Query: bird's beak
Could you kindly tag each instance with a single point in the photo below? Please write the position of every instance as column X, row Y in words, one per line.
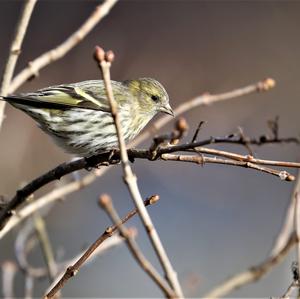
column 167, row 109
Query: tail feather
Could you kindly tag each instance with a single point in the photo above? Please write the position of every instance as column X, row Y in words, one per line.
column 20, row 100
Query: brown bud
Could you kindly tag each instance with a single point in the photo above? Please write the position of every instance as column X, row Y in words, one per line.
column 104, row 200
column 132, row 231
column 267, row 84
column 109, row 56
column 153, row 199
column 99, row 54
column 182, row 125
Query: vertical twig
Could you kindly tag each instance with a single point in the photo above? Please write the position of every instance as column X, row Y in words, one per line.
column 104, row 60
column 9, row 270
column 288, row 223
column 45, row 245
column 297, row 227
column 15, row 51
column 29, row 285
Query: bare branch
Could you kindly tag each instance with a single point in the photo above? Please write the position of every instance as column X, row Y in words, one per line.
column 294, row 285
column 283, row 175
column 45, row 245
column 288, row 223
column 106, row 203
column 130, row 179
column 252, row 274
column 112, row 242
column 61, row 50
column 105, row 159
column 247, row 158
column 297, row 228
column 15, row 51
column 25, row 242
column 73, row 270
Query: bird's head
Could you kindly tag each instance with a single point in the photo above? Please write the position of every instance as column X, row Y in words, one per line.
column 151, row 95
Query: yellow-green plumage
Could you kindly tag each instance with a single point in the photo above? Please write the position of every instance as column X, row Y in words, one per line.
column 78, row 117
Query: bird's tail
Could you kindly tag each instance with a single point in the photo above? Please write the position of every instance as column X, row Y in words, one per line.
column 20, row 101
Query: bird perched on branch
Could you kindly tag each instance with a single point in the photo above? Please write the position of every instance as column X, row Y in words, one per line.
column 77, row 116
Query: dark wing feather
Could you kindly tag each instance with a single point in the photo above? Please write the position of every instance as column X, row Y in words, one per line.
column 86, row 95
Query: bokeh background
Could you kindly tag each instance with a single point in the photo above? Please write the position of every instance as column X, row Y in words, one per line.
column 214, row 220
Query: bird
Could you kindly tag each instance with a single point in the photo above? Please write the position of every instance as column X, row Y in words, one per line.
column 78, row 117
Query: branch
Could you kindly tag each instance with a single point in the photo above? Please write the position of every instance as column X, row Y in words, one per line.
column 28, row 287
column 73, row 270
column 297, row 229
column 61, row 50
column 283, row 175
column 58, row 193
column 294, row 285
column 25, row 243
column 288, row 223
column 45, row 245
column 15, row 50
column 106, row 203
column 56, row 173
column 252, row 274
column 104, row 60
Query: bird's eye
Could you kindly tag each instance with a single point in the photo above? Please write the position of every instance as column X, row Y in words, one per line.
column 154, row 98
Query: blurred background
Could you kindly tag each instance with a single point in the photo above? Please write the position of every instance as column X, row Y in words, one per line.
column 214, row 220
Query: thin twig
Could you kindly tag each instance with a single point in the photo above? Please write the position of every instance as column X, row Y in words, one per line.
column 246, row 158
column 106, row 203
column 201, row 123
column 25, row 242
column 294, row 285
column 110, row 243
column 9, row 270
column 252, row 274
column 28, row 287
column 201, row 160
column 61, row 50
column 45, row 245
column 15, row 51
column 297, row 227
column 73, row 270
column 288, row 223
column 104, row 60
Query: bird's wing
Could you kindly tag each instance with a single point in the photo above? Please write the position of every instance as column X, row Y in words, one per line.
column 87, row 95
